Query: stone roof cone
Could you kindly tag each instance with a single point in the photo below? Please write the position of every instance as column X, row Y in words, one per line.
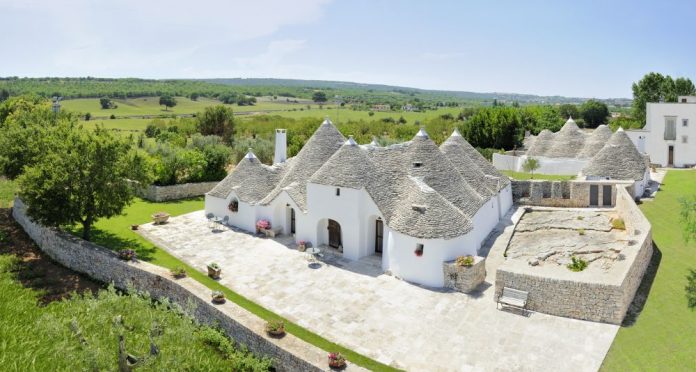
column 619, row 159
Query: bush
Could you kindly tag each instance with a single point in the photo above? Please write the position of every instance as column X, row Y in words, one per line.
column 112, row 116
column 581, row 231
column 577, row 264
column 178, row 272
column 466, row 261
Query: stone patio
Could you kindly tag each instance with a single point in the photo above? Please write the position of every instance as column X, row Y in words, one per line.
column 398, row 323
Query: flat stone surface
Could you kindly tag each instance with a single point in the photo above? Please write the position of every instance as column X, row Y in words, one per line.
column 549, row 237
column 354, row 304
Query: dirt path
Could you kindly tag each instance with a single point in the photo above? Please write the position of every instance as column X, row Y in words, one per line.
column 37, row 270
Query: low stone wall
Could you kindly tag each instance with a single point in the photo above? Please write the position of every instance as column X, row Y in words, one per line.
column 566, row 194
column 462, row 278
column 174, row 192
column 289, row 353
column 587, row 299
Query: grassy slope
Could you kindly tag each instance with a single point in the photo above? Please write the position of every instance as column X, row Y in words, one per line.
column 116, row 233
column 32, row 336
column 7, row 190
column 526, row 176
column 664, row 336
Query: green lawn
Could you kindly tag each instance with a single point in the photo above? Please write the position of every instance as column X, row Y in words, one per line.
column 664, row 335
column 527, row 176
column 116, row 234
column 7, row 190
column 137, row 106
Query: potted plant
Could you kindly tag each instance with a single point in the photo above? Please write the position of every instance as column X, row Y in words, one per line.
column 419, row 250
column 178, row 272
column 134, row 227
column 126, row 254
column 214, row 270
column 218, row 297
column 160, row 217
column 337, row 361
column 275, row 328
column 301, row 245
column 466, row 261
column 262, row 225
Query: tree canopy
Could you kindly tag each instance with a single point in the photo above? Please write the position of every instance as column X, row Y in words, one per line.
column 655, row 87
column 217, row 120
column 319, row 97
column 167, row 101
column 594, row 113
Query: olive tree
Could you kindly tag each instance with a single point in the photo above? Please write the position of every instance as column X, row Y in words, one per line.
column 530, row 165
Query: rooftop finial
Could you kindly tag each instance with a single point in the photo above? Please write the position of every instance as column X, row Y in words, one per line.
column 422, row 133
column 456, row 133
column 350, row 141
column 326, row 120
column 250, row 154
column 620, row 129
column 374, row 141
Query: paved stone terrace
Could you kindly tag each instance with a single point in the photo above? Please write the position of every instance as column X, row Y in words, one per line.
column 392, row 321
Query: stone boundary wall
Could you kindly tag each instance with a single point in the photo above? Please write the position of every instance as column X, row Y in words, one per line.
column 289, row 353
column 566, row 194
column 174, row 192
column 594, row 301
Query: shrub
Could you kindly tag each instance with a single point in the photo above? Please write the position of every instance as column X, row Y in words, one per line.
column 465, row 261
column 178, row 272
column 275, row 327
column 618, row 223
column 577, row 264
column 3, row 237
column 112, row 116
column 581, row 231
column 581, row 218
column 214, row 266
column 127, row 254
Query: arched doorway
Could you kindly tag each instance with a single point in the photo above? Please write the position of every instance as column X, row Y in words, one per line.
column 334, row 234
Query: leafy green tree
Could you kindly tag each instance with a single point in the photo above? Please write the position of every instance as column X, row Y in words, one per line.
column 167, row 101
column 682, row 86
column 594, row 113
column 4, row 94
column 688, row 217
column 568, row 110
column 105, row 103
column 530, row 166
column 82, row 178
column 218, row 121
column 194, row 96
column 319, row 97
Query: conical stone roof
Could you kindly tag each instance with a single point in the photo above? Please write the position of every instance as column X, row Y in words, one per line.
column 541, row 144
column 325, row 141
column 454, row 150
column 348, row 167
column 498, row 180
column 619, row 160
column 250, row 180
column 568, row 142
column 595, row 142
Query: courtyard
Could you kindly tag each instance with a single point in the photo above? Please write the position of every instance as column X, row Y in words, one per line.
column 397, row 323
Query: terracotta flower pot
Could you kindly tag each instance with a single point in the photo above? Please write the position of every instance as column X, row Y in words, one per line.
column 214, row 273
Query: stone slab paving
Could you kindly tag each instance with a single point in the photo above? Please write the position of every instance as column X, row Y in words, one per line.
column 401, row 324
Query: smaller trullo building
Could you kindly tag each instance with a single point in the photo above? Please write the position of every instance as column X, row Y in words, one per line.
column 414, row 203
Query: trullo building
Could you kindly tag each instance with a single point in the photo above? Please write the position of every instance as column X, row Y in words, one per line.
column 414, row 204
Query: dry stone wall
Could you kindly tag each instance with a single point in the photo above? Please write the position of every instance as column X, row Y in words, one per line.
column 596, row 301
column 289, row 353
column 174, row 192
column 567, row 194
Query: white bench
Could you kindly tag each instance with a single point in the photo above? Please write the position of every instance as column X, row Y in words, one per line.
column 513, row 298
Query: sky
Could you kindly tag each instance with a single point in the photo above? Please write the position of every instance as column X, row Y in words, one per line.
column 579, row 49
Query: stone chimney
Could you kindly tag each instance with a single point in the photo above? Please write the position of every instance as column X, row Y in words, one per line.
column 281, row 146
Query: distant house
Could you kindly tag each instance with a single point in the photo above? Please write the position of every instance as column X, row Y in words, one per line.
column 669, row 133
column 381, row 107
column 413, row 204
column 409, row 107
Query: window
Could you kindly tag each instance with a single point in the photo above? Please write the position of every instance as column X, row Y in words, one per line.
column 338, row 192
column 670, row 128
column 683, row 100
column 234, row 206
column 417, row 164
column 685, row 139
column 685, row 122
column 419, row 249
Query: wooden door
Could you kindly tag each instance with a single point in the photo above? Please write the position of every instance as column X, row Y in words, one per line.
column 292, row 220
column 379, row 236
column 334, row 234
column 606, row 195
column 670, row 157
column 594, row 195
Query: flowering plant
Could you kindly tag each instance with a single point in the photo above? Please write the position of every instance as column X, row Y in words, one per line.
column 336, row 360
column 302, row 242
column 465, row 261
column 218, row 297
column 126, row 254
column 263, row 224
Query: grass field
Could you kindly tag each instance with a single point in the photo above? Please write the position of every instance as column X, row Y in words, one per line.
column 664, row 335
column 116, row 233
column 7, row 190
column 527, row 176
